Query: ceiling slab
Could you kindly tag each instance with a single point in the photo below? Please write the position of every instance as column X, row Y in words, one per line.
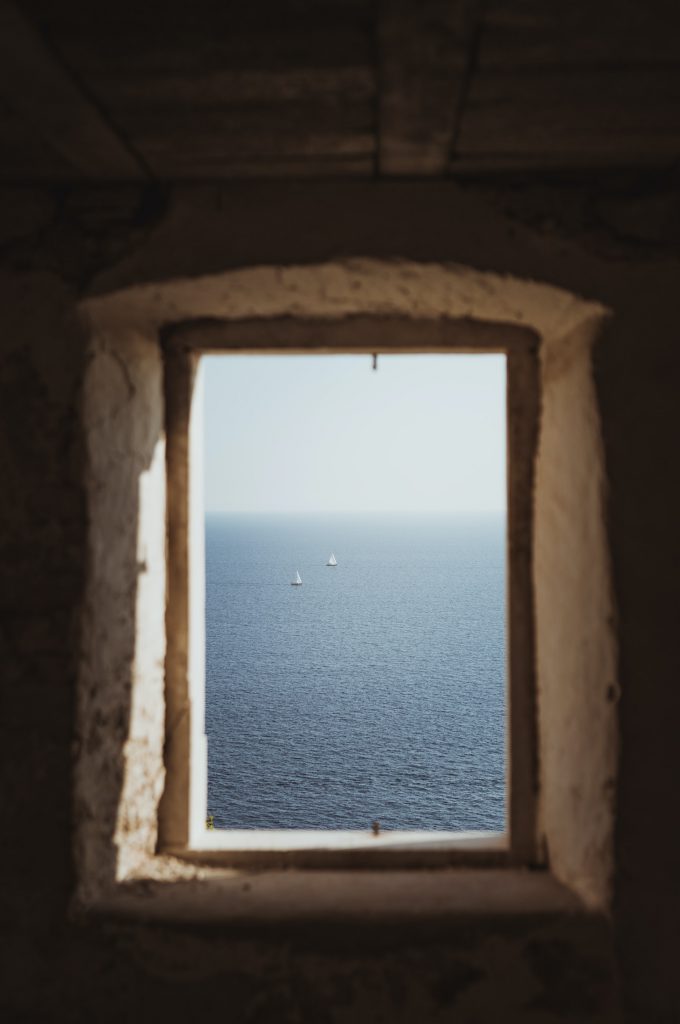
column 39, row 92
column 220, row 89
column 574, row 119
column 425, row 54
column 216, row 91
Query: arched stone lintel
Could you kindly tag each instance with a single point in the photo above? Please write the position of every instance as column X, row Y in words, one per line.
column 345, row 288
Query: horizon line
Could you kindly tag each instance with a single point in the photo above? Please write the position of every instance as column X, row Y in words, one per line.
column 353, row 512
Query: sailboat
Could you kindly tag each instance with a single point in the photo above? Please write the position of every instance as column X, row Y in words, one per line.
column 332, row 560
column 297, row 582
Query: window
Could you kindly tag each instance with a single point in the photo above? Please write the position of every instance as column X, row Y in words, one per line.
column 183, row 827
column 140, row 709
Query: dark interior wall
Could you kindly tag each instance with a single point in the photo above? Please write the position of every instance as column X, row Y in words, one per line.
column 637, row 374
column 57, row 245
column 42, row 547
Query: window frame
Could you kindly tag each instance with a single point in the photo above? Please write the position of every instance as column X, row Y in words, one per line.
column 182, row 811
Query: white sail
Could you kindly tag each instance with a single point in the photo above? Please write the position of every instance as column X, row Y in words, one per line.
column 297, row 582
column 332, row 560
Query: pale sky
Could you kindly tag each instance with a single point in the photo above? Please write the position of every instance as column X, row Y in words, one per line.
column 423, row 433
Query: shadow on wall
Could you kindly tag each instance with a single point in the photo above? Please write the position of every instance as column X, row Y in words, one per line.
column 42, row 553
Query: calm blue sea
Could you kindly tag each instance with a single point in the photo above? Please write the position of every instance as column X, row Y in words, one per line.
column 376, row 690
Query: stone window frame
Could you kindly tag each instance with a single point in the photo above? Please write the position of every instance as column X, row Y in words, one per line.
column 182, row 816
column 120, row 775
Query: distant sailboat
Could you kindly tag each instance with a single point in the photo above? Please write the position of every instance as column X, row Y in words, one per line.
column 332, row 560
column 297, row 582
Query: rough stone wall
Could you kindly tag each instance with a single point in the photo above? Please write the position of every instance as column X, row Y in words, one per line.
column 53, row 245
column 42, row 553
column 641, row 414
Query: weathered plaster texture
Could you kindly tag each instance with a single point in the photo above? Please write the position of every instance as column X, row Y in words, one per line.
column 397, row 287
column 576, row 646
column 119, row 774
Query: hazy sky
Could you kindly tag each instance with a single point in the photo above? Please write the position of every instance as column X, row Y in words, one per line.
column 325, row 433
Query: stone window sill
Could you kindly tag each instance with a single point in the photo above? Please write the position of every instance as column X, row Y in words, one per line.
column 247, row 899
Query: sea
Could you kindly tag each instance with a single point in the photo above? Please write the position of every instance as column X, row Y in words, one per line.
column 373, row 692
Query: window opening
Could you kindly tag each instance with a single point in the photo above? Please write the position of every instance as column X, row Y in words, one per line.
column 371, row 694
